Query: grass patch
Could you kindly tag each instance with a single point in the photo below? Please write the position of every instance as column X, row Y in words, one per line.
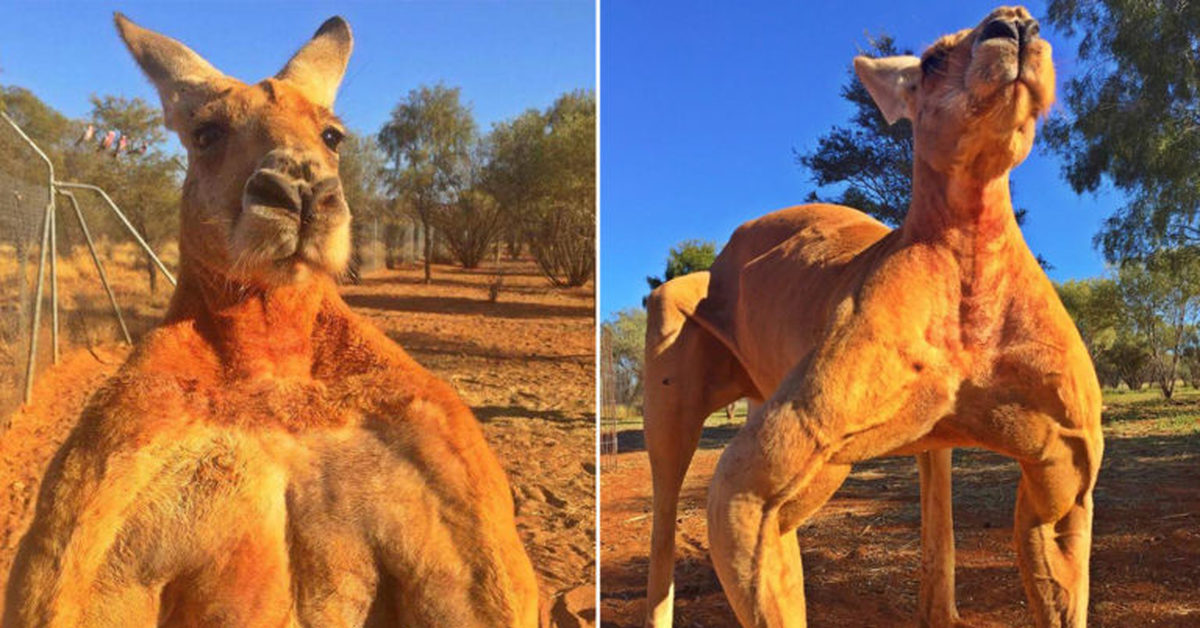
column 1145, row 412
column 1127, row 413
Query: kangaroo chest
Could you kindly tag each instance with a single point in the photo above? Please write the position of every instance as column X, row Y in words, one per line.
column 920, row 306
column 293, row 530
column 289, row 506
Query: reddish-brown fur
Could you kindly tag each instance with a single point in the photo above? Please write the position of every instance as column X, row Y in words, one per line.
column 266, row 457
column 868, row 342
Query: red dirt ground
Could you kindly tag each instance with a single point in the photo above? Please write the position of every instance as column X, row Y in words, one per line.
column 524, row 364
column 861, row 551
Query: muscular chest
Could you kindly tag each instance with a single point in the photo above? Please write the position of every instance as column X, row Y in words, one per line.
column 305, row 543
column 920, row 306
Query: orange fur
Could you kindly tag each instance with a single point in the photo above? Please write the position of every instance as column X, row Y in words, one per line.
column 266, row 457
column 866, row 342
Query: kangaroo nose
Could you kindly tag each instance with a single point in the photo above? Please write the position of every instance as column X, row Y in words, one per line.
column 323, row 196
column 274, row 189
column 1029, row 29
column 1020, row 31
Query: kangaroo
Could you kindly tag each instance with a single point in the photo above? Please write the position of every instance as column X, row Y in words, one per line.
column 266, row 457
column 864, row 342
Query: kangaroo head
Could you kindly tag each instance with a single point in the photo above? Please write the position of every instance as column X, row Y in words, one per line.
column 262, row 202
column 973, row 97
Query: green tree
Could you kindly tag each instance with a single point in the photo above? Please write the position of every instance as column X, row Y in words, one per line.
column 870, row 157
column 1134, row 118
column 428, row 143
column 24, row 189
column 542, row 171
column 688, row 256
column 626, row 331
column 470, row 225
column 561, row 231
column 1127, row 360
column 1095, row 306
column 43, row 124
column 143, row 183
column 514, row 171
column 1161, row 297
column 473, row 221
column 1119, row 352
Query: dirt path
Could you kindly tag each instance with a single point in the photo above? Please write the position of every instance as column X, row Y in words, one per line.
column 861, row 551
column 524, row 364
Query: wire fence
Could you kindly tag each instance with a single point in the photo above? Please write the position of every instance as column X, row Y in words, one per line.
column 388, row 244
column 609, row 410
column 100, row 284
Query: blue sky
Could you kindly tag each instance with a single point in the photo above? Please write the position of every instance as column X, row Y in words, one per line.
column 506, row 56
column 701, row 108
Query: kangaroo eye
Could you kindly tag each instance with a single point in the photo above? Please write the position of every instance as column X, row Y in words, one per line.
column 207, row 134
column 933, row 62
column 332, row 137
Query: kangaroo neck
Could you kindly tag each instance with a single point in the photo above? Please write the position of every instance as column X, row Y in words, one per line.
column 255, row 331
column 971, row 218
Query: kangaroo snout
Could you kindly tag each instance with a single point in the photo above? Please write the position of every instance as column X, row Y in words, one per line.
column 285, row 182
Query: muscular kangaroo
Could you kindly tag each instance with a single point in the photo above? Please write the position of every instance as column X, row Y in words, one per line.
column 266, row 457
column 867, row 342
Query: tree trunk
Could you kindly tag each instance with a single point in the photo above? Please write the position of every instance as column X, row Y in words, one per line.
column 1167, row 381
column 392, row 236
column 153, row 273
column 428, row 249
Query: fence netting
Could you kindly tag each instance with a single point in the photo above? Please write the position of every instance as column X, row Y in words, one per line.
column 86, row 320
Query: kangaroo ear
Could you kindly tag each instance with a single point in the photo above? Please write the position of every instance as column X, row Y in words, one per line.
column 892, row 82
column 183, row 78
column 317, row 69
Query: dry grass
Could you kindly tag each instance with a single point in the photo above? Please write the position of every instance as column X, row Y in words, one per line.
column 86, row 318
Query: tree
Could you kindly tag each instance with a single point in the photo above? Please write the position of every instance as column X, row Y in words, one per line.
column 1161, row 296
column 1134, row 118
column 24, row 187
column 872, row 158
column 42, row 123
column 428, row 141
column 469, row 225
column 542, row 171
column 514, row 171
column 144, row 184
column 1127, row 360
column 688, row 256
column 1095, row 306
column 472, row 222
column 626, row 331
column 561, row 231
column 1119, row 352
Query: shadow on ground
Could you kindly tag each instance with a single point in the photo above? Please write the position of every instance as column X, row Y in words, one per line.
column 465, row 306
column 421, row 343
column 486, row 413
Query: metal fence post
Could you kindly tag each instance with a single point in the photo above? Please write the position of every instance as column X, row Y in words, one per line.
column 87, row 235
column 37, row 302
column 54, row 283
column 128, row 225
